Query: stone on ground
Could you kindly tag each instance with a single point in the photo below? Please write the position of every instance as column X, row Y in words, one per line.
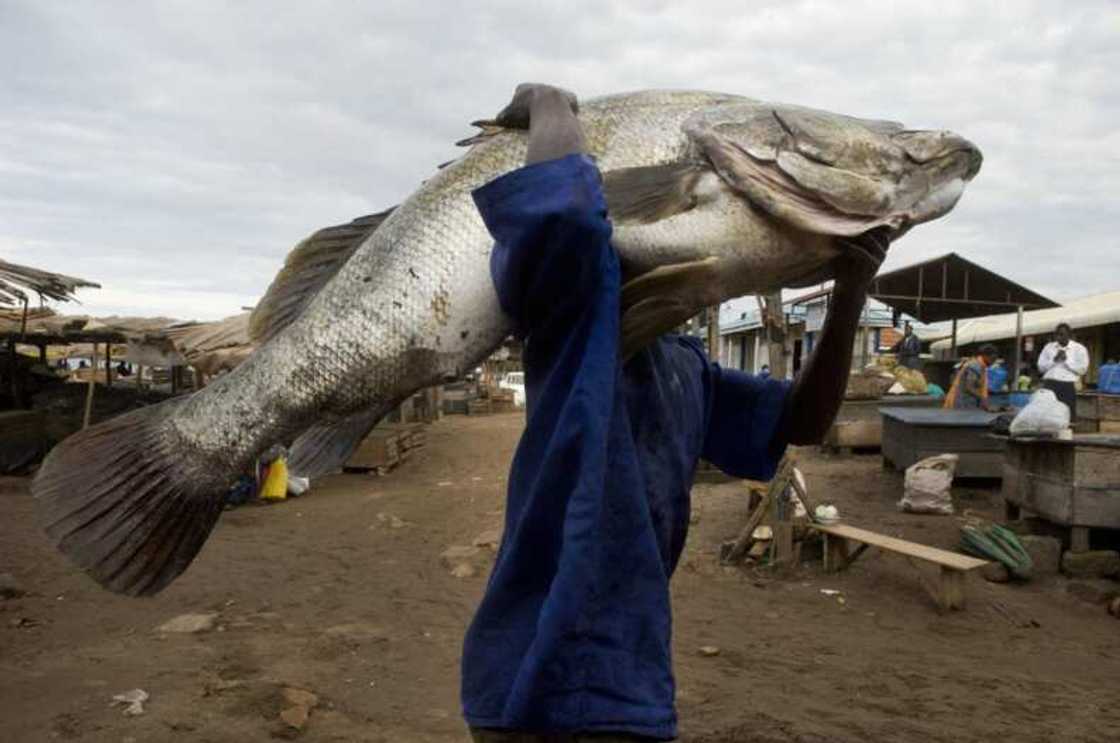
column 489, row 539
column 1094, row 590
column 1045, row 552
column 457, row 553
column 464, row 570
column 9, row 588
column 1092, row 564
column 995, row 572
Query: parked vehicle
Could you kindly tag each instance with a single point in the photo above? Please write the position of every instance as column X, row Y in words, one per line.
column 514, row 381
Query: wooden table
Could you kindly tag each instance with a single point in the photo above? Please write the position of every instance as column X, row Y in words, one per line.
column 859, row 425
column 1073, row 483
column 1098, row 413
column 912, row 434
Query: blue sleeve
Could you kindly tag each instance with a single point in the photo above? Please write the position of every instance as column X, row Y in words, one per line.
column 745, row 414
column 549, row 224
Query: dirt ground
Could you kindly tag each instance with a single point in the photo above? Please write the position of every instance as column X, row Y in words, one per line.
column 343, row 592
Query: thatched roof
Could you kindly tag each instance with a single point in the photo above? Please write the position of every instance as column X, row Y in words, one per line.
column 156, row 341
column 15, row 279
column 213, row 346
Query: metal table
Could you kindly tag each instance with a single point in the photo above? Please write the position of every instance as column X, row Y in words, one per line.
column 1074, row 483
column 912, row 434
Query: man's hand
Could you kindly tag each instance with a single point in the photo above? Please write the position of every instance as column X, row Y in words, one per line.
column 549, row 113
column 530, row 97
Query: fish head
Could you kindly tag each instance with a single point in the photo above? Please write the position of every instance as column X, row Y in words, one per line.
column 942, row 164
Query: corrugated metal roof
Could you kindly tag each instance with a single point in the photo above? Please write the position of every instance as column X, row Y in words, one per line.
column 951, row 287
column 1101, row 309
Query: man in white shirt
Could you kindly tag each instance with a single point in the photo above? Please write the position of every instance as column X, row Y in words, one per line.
column 1062, row 362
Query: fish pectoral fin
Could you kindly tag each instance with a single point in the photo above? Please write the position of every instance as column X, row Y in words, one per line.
column 660, row 300
column 307, row 269
column 692, row 279
column 326, row 446
column 777, row 192
column 643, row 322
column 652, row 193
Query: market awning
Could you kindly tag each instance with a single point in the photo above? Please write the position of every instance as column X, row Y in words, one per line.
column 14, row 279
column 952, row 288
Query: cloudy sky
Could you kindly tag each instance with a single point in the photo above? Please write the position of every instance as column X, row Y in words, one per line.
column 174, row 151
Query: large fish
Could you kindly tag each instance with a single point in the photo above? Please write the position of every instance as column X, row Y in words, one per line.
column 711, row 196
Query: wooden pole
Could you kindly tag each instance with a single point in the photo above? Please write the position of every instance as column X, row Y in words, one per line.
column 713, row 333
column 1018, row 349
column 774, row 321
column 89, row 403
column 953, row 342
column 109, row 364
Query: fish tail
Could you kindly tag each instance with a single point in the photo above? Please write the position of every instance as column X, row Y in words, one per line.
column 325, row 448
column 118, row 499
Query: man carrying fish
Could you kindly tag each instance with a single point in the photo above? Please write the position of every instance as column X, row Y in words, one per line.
column 572, row 638
column 704, row 196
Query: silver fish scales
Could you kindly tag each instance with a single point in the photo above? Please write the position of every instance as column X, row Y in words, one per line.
column 711, row 196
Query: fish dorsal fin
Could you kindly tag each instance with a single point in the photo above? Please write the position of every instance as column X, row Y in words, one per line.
column 652, row 193
column 308, row 267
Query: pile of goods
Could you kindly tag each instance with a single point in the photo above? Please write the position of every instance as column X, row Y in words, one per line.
column 990, row 541
column 885, row 377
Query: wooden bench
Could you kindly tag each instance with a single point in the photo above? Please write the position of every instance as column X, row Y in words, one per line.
column 948, row 591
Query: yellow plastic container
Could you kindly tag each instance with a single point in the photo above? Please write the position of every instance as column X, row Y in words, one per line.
column 275, row 485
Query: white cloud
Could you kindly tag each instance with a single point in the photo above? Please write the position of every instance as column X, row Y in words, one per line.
column 175, row 151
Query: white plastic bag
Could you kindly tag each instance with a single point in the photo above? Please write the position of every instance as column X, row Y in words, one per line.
column 298, row 485
column 1044, row 414
column 928, row 485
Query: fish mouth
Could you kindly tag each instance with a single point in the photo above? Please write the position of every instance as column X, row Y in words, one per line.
column 948, row 162
column 941, row 151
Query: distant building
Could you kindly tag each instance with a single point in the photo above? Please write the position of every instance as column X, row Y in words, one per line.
column 743, row 341
column 1095, row 322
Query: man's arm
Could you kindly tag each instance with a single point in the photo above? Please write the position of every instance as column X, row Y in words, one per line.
column 1046, row 358
column 1078, row 360
column 819, row 389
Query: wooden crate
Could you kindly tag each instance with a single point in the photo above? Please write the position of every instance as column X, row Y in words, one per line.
column 409, row 435
column 381, row 448
column 1098, row 413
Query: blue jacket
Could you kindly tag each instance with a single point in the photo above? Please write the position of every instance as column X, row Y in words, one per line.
column 573, row 632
